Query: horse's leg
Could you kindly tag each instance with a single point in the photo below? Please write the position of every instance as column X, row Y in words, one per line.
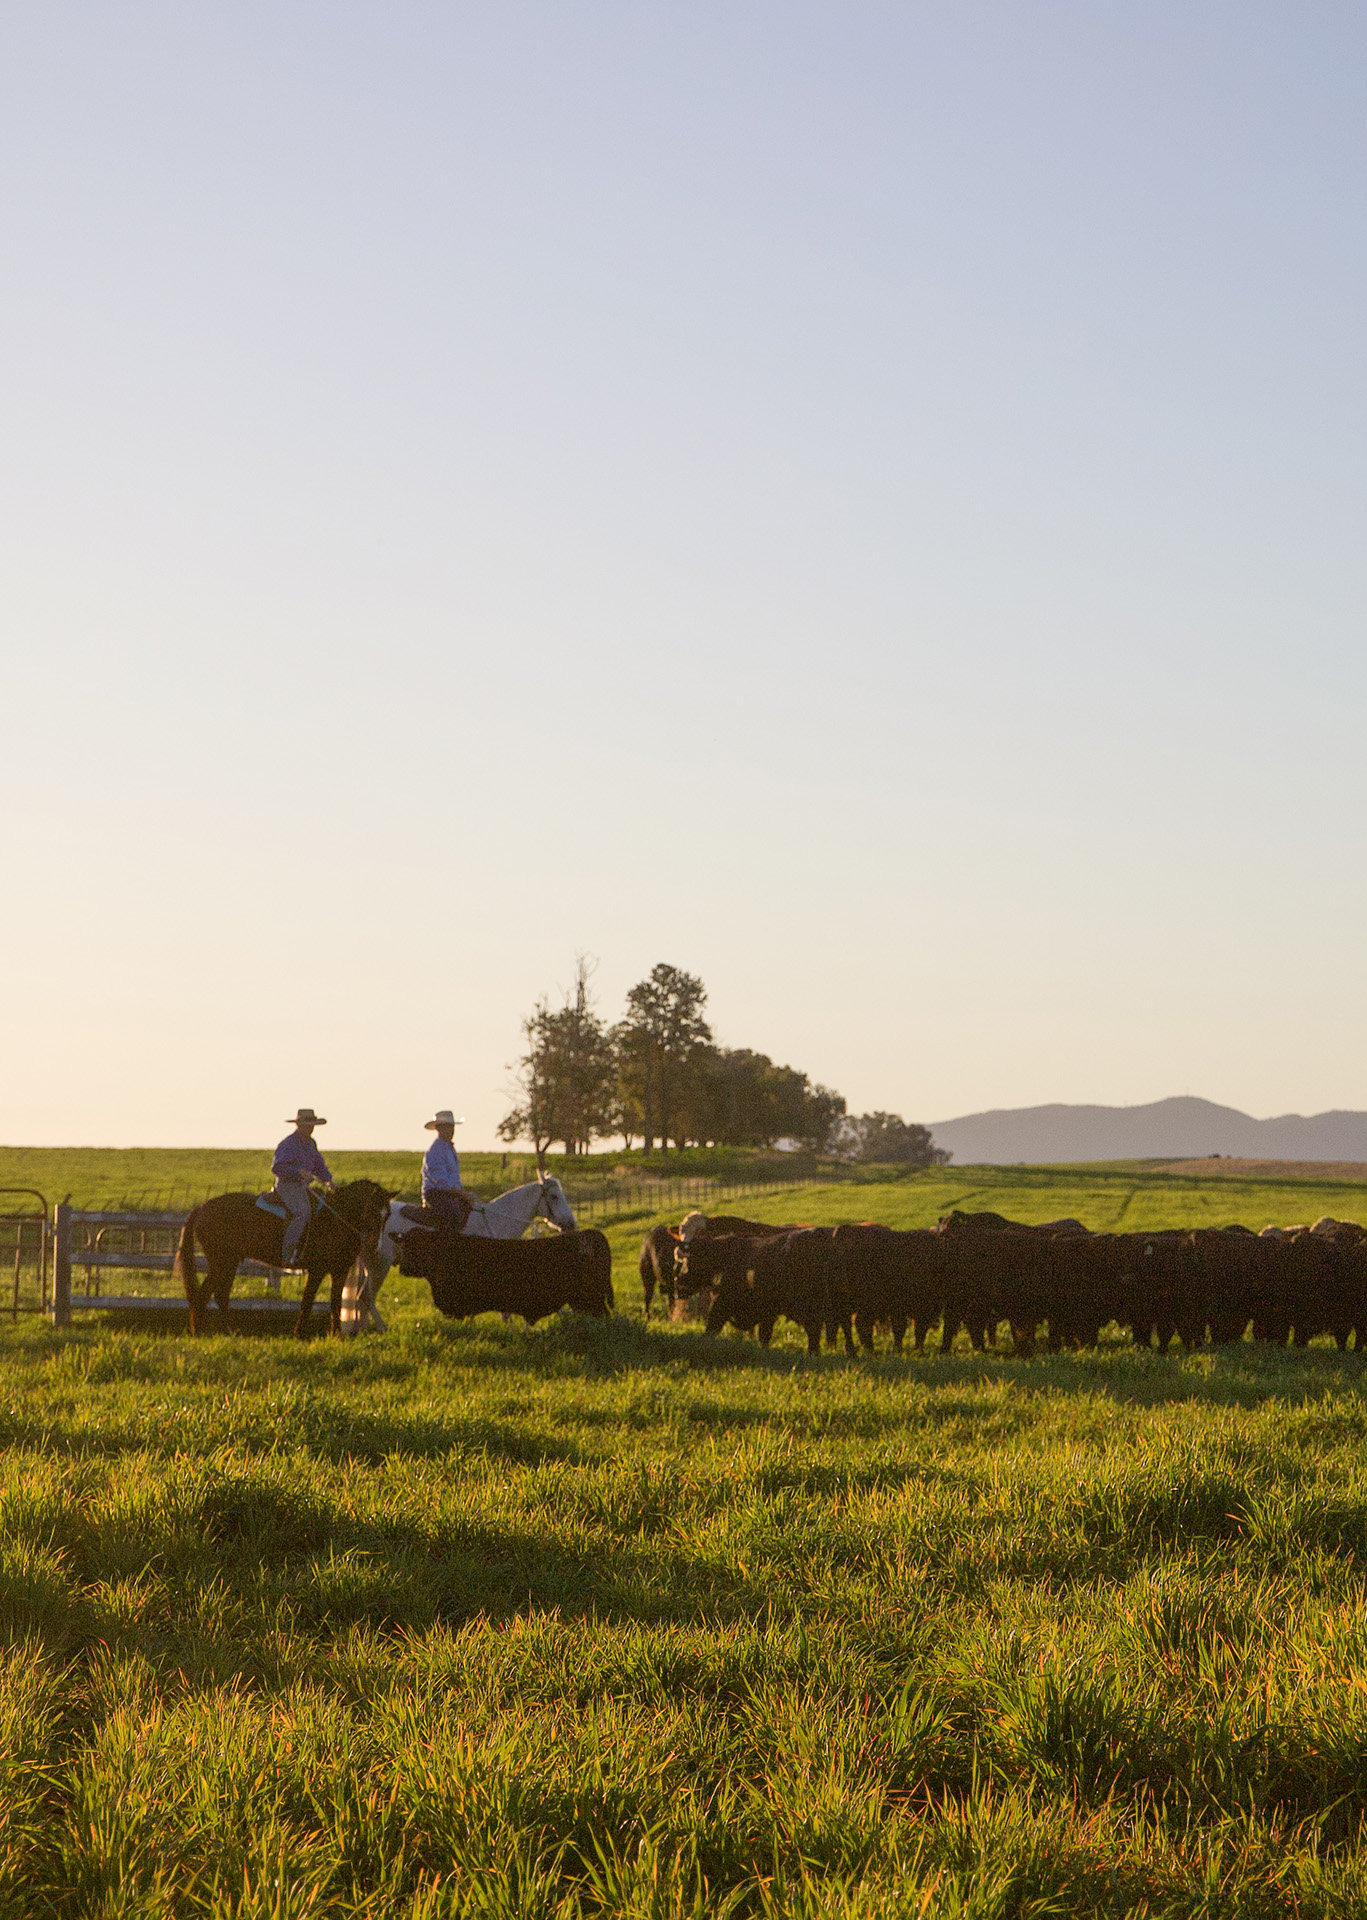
column 371, row 1281
column 220, row 1272
column 312, row 1278
column 196, row 1292
column 220, row 1283
column 339, row 1280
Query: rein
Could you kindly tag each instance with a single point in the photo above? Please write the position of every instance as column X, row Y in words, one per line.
column 326, row 1206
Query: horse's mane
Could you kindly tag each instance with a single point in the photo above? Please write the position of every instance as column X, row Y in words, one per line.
column 360, row 1190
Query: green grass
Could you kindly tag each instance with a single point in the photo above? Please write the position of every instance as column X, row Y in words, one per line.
column 609, row 1621
column 176, row 1177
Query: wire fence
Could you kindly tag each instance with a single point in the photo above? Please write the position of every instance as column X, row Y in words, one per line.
column 624, row 1199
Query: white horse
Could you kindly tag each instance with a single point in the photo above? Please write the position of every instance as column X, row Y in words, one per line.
column 506, row 1218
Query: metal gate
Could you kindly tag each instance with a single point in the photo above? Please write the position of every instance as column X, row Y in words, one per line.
column 89, row 1244
column 25, row 1252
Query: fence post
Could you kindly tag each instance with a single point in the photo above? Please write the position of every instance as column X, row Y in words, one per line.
column 61, row 1266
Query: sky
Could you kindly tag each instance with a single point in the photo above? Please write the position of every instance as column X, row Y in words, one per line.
column 862, row 502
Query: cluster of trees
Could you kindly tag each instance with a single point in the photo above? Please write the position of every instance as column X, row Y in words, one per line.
column 657, row 1075
column 884, row 1139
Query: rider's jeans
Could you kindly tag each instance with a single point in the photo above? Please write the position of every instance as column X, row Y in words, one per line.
column 294, row 1195
column 447, row 1206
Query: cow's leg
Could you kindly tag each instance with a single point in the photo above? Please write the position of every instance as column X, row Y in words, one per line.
column 765, row 1330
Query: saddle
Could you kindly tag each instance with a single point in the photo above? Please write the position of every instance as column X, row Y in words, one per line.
column 268, row 1203
column 434, row 1221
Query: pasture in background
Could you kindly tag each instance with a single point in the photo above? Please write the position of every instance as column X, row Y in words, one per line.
column 167, row 1178
column 626, row 1194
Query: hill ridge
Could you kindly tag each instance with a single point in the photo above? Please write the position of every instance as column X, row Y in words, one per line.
column 1183, row 1126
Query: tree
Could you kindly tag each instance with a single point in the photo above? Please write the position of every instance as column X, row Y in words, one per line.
column 822, row 1108
column 656, row 1045
column 657, row 1075
column 565, row 1080
column 741, row 1099
column 885, row 1139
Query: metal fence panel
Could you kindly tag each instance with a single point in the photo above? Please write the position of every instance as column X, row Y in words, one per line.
column 24, row 1248
column 140, row 1249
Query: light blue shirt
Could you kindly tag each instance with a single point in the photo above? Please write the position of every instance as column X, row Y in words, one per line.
column 440, row 1167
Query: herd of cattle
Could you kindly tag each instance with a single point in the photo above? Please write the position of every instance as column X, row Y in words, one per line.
column 1058, row 1284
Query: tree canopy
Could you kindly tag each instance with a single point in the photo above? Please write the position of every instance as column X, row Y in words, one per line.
column 657, row 1075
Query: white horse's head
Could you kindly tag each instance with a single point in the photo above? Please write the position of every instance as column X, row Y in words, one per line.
column 396, row 1225
column 558, row 1209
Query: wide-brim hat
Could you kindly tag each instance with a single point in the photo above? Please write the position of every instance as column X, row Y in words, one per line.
column 445, row 1118
column 307, row 1114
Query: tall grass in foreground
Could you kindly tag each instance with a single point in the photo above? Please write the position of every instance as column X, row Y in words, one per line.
column 607, row 1622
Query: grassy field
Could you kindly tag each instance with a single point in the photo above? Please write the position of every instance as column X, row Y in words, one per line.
column 179, row 1177
column 617, row 1621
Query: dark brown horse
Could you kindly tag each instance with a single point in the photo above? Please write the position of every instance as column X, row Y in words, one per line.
column 231, row 1228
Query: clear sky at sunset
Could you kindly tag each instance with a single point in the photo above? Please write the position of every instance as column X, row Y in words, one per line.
column 863, row 502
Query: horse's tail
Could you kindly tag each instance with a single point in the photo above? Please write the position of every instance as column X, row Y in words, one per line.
column 184, row 1265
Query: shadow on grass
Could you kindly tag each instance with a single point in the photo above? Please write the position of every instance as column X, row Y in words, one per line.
column 1247, row 1374
column 278, row 1324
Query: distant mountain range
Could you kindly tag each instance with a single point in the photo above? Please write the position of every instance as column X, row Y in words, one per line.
column 1179, row 1129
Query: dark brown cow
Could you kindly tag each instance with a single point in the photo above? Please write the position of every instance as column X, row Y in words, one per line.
column 788, row 1277
column 697, row 1228
column 715, row 1224
column 657, row 1265
column 889, row 1278
column 719, row 1266
column 470, row 1275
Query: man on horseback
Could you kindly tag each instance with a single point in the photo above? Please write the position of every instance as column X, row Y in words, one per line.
column 297, row 1161
column 442, row 1191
